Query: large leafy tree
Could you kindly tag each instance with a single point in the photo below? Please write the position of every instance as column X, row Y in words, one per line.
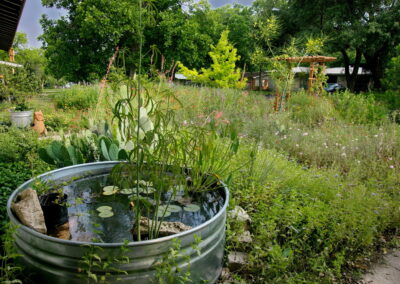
column 185, row 35
column 79, row 45
column 368, row 29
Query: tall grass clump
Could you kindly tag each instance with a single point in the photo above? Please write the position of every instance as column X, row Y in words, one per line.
column 308, row 225
column 359, row 109
column 310, row 110
column 322, row 190
column 77, row 97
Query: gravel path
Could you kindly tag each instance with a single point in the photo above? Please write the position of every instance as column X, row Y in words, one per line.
column 385, row 272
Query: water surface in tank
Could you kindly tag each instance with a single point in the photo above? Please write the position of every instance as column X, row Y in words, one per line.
column 85, row 197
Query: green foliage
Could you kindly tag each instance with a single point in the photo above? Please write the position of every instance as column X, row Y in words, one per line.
column 18, row 162
column 159, row 148
column 9, row 270
column 12, row 174
column 18, row 84
column 391, row 99
column 56, row 121
column 110, row 150
column 60, row 155
column 392, row 72
column 310, row 110
column 169, row 270
column 321, row 192
column 77, row 97
column 307, row 225
column 359, row 109
column 222, row 72
column 22, row 107
column 94, row 260
column 83, row 41
column 17, row 144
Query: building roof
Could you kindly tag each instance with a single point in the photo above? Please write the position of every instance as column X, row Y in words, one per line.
column 10, row 13
column 333, row 71
column 10, row 64
column 180, row 77
column 342, row 71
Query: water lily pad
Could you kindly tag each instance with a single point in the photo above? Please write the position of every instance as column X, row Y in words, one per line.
column 127, row 191
column 161, row 211
column 106, row 214
column 191, row 208
column 174, row 208
column 110, row 190
column 104, row 208
column 148, row 190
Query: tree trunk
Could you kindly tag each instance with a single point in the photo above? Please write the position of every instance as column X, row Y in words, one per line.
column 375, row 64
column 351, row 79
column 259, row 79
column 346, row 66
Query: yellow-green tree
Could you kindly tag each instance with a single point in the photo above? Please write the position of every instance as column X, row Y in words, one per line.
column 222, row 72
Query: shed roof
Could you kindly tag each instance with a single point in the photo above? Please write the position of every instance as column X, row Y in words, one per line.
column 10, row 13
column 333, row 71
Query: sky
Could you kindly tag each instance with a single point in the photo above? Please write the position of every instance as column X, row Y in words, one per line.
column 33, row 10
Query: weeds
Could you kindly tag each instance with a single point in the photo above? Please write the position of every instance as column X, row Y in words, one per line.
column 9, row 271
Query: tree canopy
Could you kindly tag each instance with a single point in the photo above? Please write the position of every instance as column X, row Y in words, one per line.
column 78, row 46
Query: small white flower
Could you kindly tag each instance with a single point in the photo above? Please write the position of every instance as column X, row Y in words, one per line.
column 344, row 155
column 297, row 145
column 305, row 133
column 391, row 166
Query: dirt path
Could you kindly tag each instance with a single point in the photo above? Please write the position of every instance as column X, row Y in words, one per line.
column 385, row 272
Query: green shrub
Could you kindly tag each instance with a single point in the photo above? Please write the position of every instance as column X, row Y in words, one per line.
column 310, row 110
column 308, row 225
column 56, row 121
column 392, row 73
column 77, row 97
column 11, row 176
column 16, row 144
column 390, row 98
column 359, row 109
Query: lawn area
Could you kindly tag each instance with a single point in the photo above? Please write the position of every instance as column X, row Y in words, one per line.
column 319, row 181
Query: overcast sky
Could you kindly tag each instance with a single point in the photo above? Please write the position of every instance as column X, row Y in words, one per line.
column 29, row 23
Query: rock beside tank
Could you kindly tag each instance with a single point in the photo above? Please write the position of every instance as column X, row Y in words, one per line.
column 28, row 210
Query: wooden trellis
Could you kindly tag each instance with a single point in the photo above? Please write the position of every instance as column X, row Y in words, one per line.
column 314, row 62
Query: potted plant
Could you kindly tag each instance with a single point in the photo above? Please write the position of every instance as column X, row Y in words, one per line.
column 158, row 212
column 21, row 115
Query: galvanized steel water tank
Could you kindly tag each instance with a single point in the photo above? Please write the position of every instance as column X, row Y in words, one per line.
column 53, row 260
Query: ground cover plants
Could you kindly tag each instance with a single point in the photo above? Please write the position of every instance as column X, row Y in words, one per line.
column 323, row 188
column 320, row 179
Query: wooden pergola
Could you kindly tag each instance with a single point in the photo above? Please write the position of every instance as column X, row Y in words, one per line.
column 314, row 61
